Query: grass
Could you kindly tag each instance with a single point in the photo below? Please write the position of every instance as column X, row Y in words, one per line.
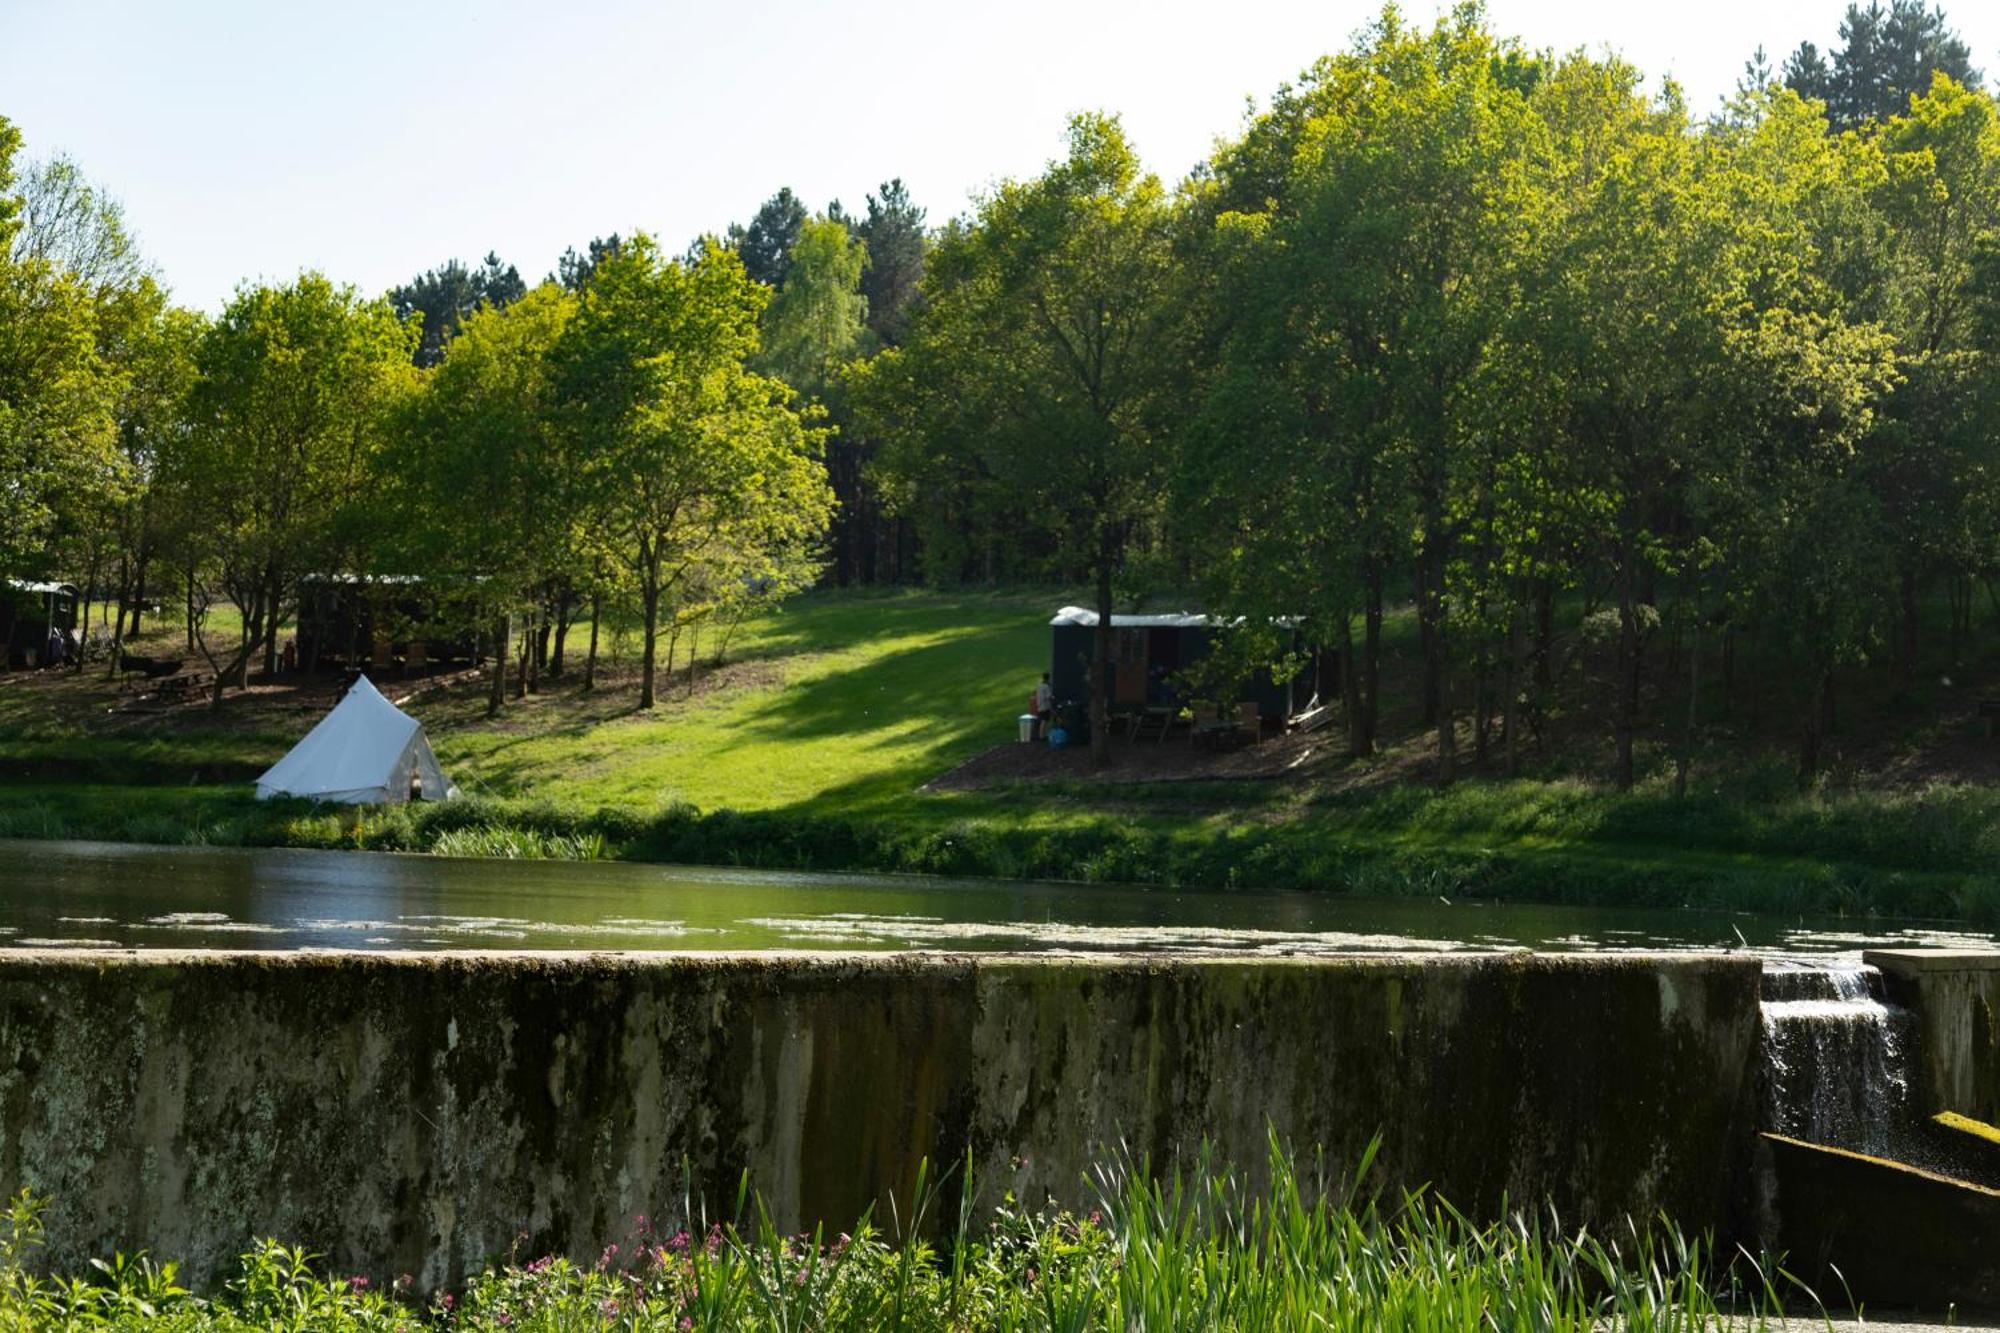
column 809, row 749
column 847, row 701
column 1193, row 1248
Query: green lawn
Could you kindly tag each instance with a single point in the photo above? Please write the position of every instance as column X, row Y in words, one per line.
column 848, row 702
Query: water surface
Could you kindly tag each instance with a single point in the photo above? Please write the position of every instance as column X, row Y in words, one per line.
column 107, row 895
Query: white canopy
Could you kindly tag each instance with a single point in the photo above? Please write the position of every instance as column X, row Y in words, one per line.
column 365, row 752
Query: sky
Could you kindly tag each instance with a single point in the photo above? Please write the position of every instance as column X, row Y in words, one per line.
column 372, row 141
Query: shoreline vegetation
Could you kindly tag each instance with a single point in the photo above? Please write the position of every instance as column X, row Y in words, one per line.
column 1191, row 1247
column 1921, row 856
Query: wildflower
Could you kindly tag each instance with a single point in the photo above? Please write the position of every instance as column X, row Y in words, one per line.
column 604, row 1260
column 687, row 1321
column 678, row 1241
column 358, row 1283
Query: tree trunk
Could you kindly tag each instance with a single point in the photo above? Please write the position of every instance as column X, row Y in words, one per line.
column 139, row 589
column 590, row 658
column 564, row 604
column 1100, row 678
column 496, row 696
column 526, row 655
column 1626, row 707
column 1426, row 641
column 253, row 631
column 649, row 597
column 190, row 608
column 1510, row 703
column 1545, row 636
column 274, row 595
column 1906, row 661
column 1810, row 738
column 118, row 628
column 1482, row 711
column 1371, row 658
column 535, row 656
column 1350, row 693
column 1447, row 724
column 1729, row 670
column 1686, row 757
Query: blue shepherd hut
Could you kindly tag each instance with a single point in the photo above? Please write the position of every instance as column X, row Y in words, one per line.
column 1148, row 653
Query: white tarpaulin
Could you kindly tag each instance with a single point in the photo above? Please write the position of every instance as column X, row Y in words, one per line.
column 366, row 751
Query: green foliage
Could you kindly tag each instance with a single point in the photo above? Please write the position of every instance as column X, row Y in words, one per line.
column 442, row 299
column 296, row 386
column 1885, row 57
column 815, row 322
column 1179, row 1245
column 696, row 472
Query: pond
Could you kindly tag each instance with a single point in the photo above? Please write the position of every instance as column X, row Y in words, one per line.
column 104, row 895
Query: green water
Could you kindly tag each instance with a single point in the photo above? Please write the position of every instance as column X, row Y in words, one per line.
column 103, row 895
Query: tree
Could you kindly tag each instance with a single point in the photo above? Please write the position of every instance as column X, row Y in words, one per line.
column 446, row 295
column 573, row 270
column 1044, row 324
column 1938, row 190
column 894, row 236
column 57, row 431
column 74, row 227
column 766, row 244
column 485, row 475
column 1371, row 296
column 296, row 386
column 815, row 321
column 1886, row 57
column 691, row 461
column 156, row 350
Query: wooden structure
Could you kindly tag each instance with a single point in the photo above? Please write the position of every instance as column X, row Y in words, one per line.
column 1150, row 654
column 381, row 623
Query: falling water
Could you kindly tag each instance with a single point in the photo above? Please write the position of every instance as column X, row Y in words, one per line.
column 1835, row 1057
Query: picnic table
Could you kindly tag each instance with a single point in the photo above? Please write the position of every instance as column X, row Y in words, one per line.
column 179, row 689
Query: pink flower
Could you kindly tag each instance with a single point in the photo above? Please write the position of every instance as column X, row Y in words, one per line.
column 359, row 1282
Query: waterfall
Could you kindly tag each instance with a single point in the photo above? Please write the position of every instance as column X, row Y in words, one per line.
column 1835, row 1057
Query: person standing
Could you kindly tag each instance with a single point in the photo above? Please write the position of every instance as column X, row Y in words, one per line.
column 1045, row 705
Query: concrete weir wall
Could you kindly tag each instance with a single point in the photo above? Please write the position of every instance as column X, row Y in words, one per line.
column 417, row 1113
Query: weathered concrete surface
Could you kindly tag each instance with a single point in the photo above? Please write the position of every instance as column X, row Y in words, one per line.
column 1956, row 996
column 419, row 1112
column 1884, row 1232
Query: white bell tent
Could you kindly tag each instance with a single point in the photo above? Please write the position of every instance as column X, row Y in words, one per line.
column 365, row 752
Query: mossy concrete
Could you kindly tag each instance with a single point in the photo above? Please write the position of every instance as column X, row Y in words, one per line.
column 422, row 1113
column 1862, row 1228
column 1955, row 994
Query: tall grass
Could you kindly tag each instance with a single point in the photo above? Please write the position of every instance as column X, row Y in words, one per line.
column 1190, row 1249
